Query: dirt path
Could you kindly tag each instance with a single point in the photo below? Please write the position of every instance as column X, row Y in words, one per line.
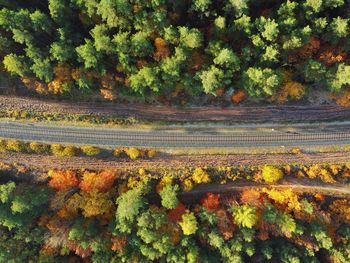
column 297, row 184
column 177, row 161
column 163, row 113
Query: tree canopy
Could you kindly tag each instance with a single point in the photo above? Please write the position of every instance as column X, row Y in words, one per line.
column 176, row 47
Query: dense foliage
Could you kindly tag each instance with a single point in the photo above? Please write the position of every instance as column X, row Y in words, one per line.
column 60, row 150
column 97, row 217
column 265, row 48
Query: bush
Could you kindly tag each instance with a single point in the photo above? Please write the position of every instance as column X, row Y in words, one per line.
column 70, row 151
column 61, row 151
column 271, row 174
column 200, row 176
column 3, row 146
column 90, row 150
column 151, row 153
column 118, row 152
column 15, row 146
column 57, row 149
column 38, row 148
column 133, row 153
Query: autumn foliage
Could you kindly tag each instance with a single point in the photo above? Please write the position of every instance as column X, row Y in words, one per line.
column 211, row 201
column 291, row 90
column 224, row 224
column 62, row 180
column 238, row 96
column 162, row 51
column 102, row 181
column 251, row 197
column 176, row 213
column 100, row 221
column 332, row 55
column 341, row 208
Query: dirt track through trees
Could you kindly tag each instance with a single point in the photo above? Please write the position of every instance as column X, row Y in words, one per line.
column 297, row 184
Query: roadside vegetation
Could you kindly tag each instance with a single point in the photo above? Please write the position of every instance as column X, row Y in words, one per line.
column 102, row 216
column 189, row 178
column 176, row 50
column 88, row 119
column 60, row 150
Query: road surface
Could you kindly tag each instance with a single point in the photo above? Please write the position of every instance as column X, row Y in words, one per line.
column 258, row 136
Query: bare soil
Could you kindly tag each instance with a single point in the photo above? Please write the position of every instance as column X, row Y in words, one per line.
column 177, row 161
column 258, row 114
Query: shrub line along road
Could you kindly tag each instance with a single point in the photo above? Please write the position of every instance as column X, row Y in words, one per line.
column 308, row 135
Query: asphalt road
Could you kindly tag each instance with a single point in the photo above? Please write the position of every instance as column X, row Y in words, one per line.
column 258, row 136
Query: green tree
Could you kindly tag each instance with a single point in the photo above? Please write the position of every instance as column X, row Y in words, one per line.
column 318, row 232
column 63, row 49
column 240, row 6
column 314, row 71
column 129, row 205
column 58, row 9
column 145, row 78
column 340, row 78
column 244, row 215
column 271, row 54
column 156, row 243
column 286, row 223
column 268, row 28
column 88, row 54
column 41, row 22
column 20, row 206
column 140, row 44
column 260, row 82
column 31, row 201
column 6, row 190
column 43, row 69
column 190, row 38
column 16, row 65
column 169, row 196
column 212, row 79
column 228, row 59
column 340, row 27
column 202, row 6
column 102, row 41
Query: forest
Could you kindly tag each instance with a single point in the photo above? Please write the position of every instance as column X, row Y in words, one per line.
column 273, row 49
column 145, row 216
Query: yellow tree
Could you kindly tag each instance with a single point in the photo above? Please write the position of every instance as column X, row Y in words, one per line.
column 92, row 203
